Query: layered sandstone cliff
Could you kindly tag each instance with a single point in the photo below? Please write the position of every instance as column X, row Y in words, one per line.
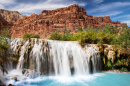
column 8, row 18
column 50, row 21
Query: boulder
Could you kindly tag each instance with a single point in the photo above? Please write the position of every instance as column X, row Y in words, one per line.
column 111, row 55
column 15, row 78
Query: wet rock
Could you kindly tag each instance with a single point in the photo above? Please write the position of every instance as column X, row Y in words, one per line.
column 111, row 55
column 10, row 85
column 1, row 83
column 106, row 50
column 117, row 71
column 23, row 71
column 15, row 78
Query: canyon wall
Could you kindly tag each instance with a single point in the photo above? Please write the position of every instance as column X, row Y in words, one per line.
column 8, row 18
column 50, row 21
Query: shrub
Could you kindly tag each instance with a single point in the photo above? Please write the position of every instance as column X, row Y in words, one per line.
column 5, row 33
column 120, row 62
column 109, row 64
column 26, row 36
column 34, row 36
column 123, row 41
column 104, row 38
column 3, row 54
column 124, row 69
column 55, row 36
column 80, row 29
column 110, row 29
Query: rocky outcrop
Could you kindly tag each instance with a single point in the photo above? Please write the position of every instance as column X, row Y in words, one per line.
column 3, row 23
column 8, row 18
column 107, row 51
column 50, row 21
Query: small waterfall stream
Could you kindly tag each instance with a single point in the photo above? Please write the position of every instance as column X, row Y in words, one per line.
column 24, row 50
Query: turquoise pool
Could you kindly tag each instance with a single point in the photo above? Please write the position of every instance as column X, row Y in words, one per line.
column 97, row 79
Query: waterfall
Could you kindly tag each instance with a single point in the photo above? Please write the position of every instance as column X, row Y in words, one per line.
column 62, row 58
column 24, row 50
column 14, row 45
column 37, row 54
column 70, row 56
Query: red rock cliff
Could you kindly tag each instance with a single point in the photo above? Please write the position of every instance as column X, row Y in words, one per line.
column 50, row 21
column 8, row 18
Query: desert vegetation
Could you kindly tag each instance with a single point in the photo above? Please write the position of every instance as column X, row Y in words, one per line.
column 5, row 33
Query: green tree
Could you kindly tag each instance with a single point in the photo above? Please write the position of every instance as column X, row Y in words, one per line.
column 110, row 29
column 80, row 29
column 55, row 36
column 123, row 40
column 3, row 54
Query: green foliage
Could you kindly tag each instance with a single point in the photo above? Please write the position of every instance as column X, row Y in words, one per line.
column 84, row 37
column 123, row 62
column 104, row 38
column 124, row 69
column 109, row 64
column 119, row 62
column 93, row 37
column 55, row 36
column 123, row 40
column 26, row 36
column 80, row 29
column 90, row 29
column 5, row 33
column 34, row 36
column 111, row 29
column 3, row 54
column 124, row 26
column 66, row 36
column 89, row 37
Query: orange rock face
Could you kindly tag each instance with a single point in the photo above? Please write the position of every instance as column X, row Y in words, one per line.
column 50, row 21
column 8, row 18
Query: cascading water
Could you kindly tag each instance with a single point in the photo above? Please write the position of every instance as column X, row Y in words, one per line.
column 59, row 58
column 15, row 43
column 36, row 54
column 67, row 58
column 24, row 50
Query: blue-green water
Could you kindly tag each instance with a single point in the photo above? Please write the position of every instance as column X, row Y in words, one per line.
column 97, row 79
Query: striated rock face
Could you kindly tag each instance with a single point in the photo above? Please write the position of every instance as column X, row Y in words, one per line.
column 3, row 22
column 8, row 18
column 50, row 21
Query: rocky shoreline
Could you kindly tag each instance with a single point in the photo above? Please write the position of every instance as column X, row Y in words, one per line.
column 115, row 71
